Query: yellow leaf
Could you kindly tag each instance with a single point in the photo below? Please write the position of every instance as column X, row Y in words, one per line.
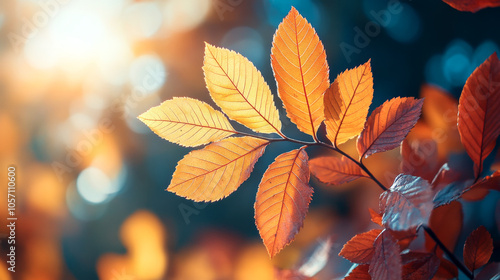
column 301, row 71
column 217, row 170
column 347, row 102
column 283, row 199
column 239, row 89
column 187, row 122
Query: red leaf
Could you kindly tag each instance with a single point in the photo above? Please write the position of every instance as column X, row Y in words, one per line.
column 420, row 158
column 478, row 114
column 388, row 125
column 360, row 272
column 418, row 266
column 407, row 204
column 448, row 230
column 375, row 217
column 360, row 248
column 334, row 170
column 386, row 261
column 478, row 248
column 447, row 270
column 480, row 189
column 405, row 237
column 472, row 5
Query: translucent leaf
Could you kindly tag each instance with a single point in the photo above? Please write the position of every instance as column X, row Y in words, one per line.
column 334, row 170
column 478, row 248
column 386, row 261
column 360, row 248
column 478, row 113
column 301, row 71
column 388, row 125
column 217, row 170
column 187, row 122
column 347, row 101
column 283, row 199
column 239, row 89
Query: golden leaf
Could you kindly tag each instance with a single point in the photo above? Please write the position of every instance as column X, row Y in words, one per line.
column 301, row 71
column 217, row 170
column 239, row 89
column 347, row 101
column 187, row 122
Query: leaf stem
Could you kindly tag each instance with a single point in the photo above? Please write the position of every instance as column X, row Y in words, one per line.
column 429, row 231
column 448, row 253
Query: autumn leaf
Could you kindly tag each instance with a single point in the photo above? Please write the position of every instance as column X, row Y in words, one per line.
column 480, row 189
column 478, row 248
column 375, row 217
column 299, row 64
column 360, row 248
column 388, row 125
column 446, row 270
column 239, row 89
column 217, row 170
column 448, row 230
column 419, row 158
column 386, row 261
column 283, row 199
column 418, row 265
column 187, row 122
column 347, row 101
column 407, row 204
column 478, row 114
column 472, row 5
column 360, row 272
column 334, row 170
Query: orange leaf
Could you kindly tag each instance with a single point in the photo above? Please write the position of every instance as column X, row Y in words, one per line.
column 480, row 189
column 360, row 248
column 217, row 170
column 239, row 89
column 334, row 170
column 478, row 114
column 472, row 5
column 448, row 230
column 360, row 272
column 347, row 101
column 283, row 199
column 446, row 270
column 417, row 265
column 388, row 125
column 375, row 217
column 187, row 122
column 386, row 261
column 478, row 248
column 301, row 71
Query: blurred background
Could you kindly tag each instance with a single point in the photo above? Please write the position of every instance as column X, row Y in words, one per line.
column 75, row 74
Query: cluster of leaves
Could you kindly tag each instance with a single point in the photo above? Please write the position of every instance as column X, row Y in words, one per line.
column 298, row 60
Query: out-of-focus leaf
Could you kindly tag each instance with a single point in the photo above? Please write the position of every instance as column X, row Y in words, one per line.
column 407, row 204
column 419, row 158
column 451, row 193
column 334, row 170
column 375, row 217
column 239, row 89
column 472, row 5
column 386, row 262
column 217, row 170
column 478, row 114
column 360, row 248
column 360, row 272
column 187, row 122
column 447, row 229
column 318, row 258
column 478, row 248
column 347, row 101
column 290, row 274
column 490, row 272
column 419, row 266
column 283, row 199
column 301, row 71
column 446, row 270
column 388, row 125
